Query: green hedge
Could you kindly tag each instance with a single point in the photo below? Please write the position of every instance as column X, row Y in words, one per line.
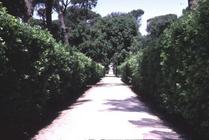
column 128, row 70
column 174, row 73
column 37, row 74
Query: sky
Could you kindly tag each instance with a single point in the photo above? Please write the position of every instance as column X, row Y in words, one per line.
column 151, row 8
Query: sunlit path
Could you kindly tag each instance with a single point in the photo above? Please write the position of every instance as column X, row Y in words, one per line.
column 109, row 110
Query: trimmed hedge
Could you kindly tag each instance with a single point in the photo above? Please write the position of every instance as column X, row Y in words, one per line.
column 37, row 75
column 174, row 73
column 128, row 70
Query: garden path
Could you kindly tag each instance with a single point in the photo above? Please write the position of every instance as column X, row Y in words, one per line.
column 108, row 110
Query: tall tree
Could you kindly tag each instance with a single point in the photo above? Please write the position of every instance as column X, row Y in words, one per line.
column 19, row 8
column 29, row 9
column 44, row 9
column 111, row 38
column 49, row 6
column 193, row 4
column 61, row 8
column 137, row 14
column 156, row 25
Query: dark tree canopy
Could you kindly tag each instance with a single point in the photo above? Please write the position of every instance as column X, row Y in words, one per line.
column 137, row 13
column 104, row 39
column 115, row 35
column 87, row 4
column 76, row 15
column 19, row 8
column 156, row 25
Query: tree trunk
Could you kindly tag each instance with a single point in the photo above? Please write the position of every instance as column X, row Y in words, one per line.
column 63, row 28
column 193, row 3
column 28, row 10
column 49, row 6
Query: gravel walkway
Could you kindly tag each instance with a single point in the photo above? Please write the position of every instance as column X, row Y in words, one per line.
column 108, row 110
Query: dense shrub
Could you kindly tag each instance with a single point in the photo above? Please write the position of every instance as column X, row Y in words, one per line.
column 128, row 70
column 174, row 72
column 36, row 74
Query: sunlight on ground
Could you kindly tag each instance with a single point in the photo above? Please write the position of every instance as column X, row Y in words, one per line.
column 109, row 110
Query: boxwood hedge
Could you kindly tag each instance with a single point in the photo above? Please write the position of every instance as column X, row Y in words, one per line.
column 174, row 73
column 37, row 74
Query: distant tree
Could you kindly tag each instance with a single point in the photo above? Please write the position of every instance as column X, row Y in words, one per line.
column 80, row 21
column 44, row 9
column 61, row 8
column 156, row 25
column 137, row 14
column 75, row 15
column 116, row 32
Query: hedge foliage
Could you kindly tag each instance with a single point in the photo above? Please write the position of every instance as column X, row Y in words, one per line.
column 128, row 70
column 174, row 72
column 37, row 73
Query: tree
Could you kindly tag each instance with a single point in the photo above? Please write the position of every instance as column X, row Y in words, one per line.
column 49, row 6
column 76, row 15
column 120, row 30
column 80, row 22
column 156, row 25
column 61, row 8
column 137, row 14
column 19, row 8
column 193, row 4
column 111, row 38
column 44, row 9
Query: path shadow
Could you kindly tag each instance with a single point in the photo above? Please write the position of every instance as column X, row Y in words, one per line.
column 127, row 105
column 174, row 122
column 155, row 128
column 108, row 84
column 147, row 122
column 109, row 75
column 55, row 110
column 80, row 102
column 133, row 104
column 165, row 135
